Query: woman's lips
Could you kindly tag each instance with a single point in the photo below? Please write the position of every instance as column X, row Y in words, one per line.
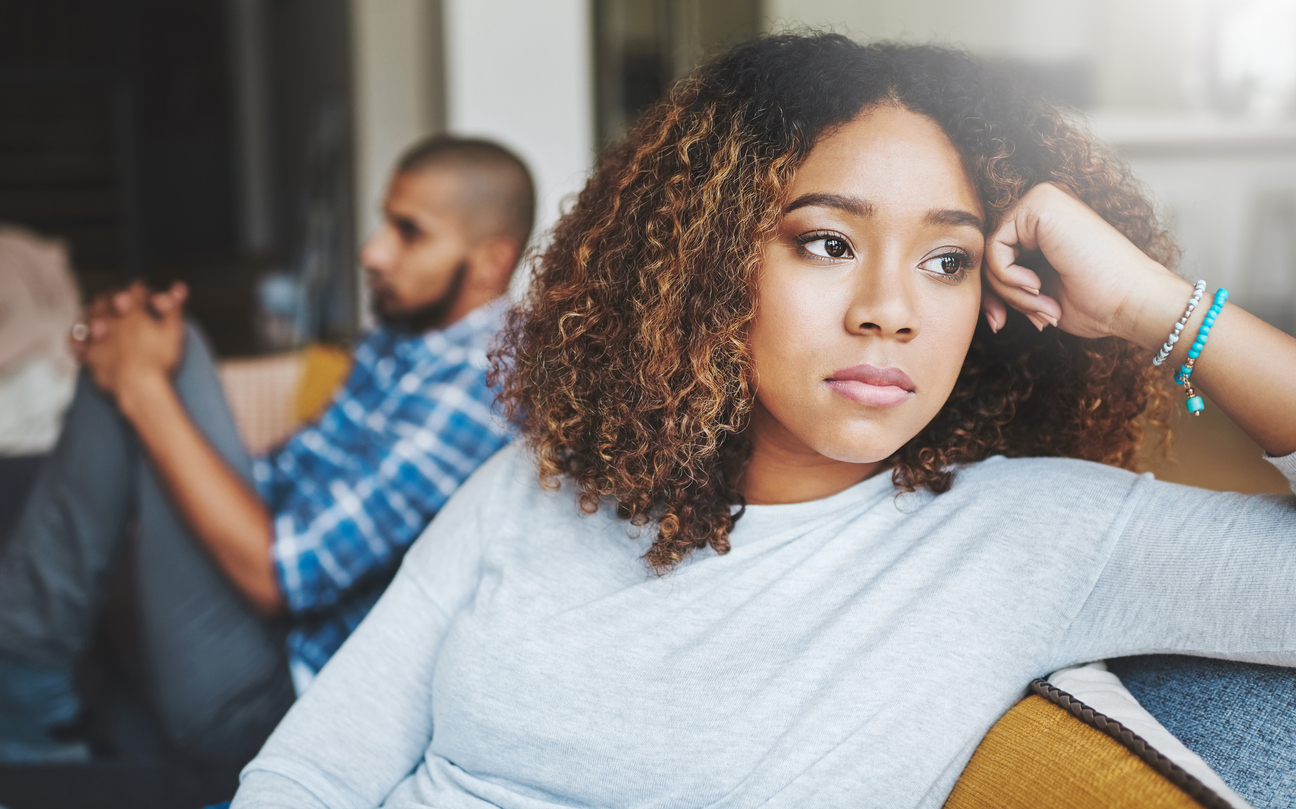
column 870, row 385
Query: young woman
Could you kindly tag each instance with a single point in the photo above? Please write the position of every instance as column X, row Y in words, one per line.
column 803, row 503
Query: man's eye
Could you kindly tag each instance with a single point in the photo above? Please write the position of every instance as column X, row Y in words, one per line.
column 828, row 247
column 408, row 233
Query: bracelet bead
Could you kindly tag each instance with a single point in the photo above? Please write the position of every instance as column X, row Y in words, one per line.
column 1194, row 403
column 1199, row 289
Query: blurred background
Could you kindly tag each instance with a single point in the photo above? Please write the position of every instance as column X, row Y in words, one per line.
column 243, row 145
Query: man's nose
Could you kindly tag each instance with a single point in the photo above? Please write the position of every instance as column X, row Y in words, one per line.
column 376, row 254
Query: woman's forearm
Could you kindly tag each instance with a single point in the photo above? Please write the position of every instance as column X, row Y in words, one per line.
column 1248, row 368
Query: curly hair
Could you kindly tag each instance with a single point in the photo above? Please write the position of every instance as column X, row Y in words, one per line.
column 628, row 368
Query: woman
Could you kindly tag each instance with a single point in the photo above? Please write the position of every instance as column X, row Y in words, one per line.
column 774, row 552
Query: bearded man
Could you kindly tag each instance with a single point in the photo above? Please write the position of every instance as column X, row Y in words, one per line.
column 249, row 573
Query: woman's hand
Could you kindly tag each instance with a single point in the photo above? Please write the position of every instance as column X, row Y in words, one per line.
column 1099, row 285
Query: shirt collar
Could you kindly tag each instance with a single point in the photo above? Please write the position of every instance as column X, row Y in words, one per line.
column 484, row 320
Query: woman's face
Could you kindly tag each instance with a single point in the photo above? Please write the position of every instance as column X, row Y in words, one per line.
column 869, row 292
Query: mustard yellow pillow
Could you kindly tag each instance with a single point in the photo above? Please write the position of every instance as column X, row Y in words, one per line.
column 324, row 369
column 1052, row 751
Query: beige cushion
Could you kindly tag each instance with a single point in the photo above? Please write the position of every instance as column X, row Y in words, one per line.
column 272, row 397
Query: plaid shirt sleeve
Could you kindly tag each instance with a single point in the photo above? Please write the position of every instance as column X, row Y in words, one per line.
column 351, row 493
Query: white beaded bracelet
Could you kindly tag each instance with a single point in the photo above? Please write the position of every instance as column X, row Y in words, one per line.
column 1199, row 289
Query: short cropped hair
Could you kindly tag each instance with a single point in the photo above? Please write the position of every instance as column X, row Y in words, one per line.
column 508, row 188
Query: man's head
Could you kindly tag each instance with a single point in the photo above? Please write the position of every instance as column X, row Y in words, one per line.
column 456, row 218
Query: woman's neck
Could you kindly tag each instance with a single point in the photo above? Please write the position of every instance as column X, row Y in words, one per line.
column 782, row 469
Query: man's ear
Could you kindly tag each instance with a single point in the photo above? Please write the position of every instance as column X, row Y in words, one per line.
column 496, row 258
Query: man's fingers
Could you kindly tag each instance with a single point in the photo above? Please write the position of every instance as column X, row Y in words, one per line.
column 130, row 298
column 78, row 347
column 162, row 303
column 90, row 356
column 171, row 301
column 101, row 306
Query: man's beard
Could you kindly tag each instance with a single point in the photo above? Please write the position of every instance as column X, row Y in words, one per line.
column 428, row 316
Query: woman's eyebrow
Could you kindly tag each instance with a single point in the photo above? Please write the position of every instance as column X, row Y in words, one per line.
column 851, row 205
column 947, row 217
column 953, row 217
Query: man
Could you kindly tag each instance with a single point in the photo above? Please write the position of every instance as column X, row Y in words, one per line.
column 234, row 555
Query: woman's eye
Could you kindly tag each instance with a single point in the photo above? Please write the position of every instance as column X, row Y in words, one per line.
column 828, row 247
column 947, row 264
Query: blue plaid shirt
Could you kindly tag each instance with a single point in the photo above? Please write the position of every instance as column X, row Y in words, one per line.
column 350, row 493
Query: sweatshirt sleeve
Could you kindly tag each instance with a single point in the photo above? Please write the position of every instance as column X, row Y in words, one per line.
column 366, row 721
column 1193, row 571
column 1287, row 465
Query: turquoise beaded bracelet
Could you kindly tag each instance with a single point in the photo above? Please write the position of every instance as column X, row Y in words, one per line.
column 1194, row 402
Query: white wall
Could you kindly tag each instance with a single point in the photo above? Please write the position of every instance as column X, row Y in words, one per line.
column 396, row 99
column 519, row 71
column 395, row 95
column 1003, row 27
column 1139, row 48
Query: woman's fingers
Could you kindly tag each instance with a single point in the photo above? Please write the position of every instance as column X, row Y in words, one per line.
column 1039, row 321
column 1041, row 309
column 1018, row 286
column 996, row 311
column 1001, row 261
column 1015, row 236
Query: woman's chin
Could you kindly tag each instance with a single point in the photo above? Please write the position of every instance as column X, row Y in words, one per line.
column 854, row 439
column 872, row 450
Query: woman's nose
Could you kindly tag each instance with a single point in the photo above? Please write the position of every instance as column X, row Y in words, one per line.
column 883, row 304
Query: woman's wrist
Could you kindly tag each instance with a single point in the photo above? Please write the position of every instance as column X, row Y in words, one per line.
column 1148, row 320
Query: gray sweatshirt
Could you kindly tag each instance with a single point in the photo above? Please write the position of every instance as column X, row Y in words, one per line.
column 850, row 651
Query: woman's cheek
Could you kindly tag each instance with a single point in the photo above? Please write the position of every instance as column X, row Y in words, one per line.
column 948, row 338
